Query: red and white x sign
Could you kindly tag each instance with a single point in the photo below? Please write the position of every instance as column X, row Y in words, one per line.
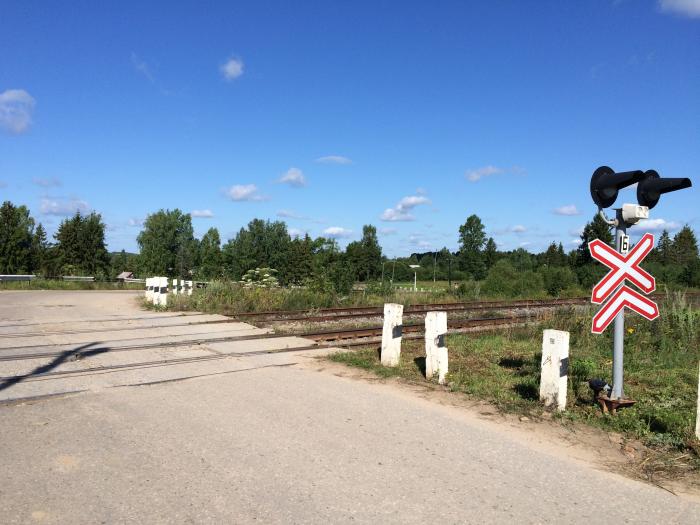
column 625, row 296
column 622, row 267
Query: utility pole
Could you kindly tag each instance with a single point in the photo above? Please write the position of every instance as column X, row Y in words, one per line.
column 622, row 245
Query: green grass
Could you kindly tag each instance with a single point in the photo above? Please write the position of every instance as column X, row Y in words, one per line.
column 228, row 297
column 661, row 371
column 49, row 284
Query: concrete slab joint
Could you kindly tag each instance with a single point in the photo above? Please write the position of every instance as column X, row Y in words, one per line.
column 435, row 349
column 391, row 334
column 554, row 368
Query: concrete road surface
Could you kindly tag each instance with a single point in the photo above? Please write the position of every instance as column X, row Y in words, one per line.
column 258, row 437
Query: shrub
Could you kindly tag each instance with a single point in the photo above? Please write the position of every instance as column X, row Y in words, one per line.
column 504, row 280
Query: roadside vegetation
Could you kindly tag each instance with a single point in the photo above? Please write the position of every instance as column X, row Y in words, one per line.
column 661, row 373
column 477, row 269
column 52, row 284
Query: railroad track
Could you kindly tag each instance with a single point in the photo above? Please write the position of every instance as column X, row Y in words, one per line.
column 330, row 314
column 318, row 336
column 327, row 314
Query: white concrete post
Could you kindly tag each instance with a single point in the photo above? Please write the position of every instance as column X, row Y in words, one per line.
column 174, row 287
column 190, row 286
column 149, row 288
column 435, row 349
column 163, row 292
column 155, row 292
column 391, row 334
column 555, row 368
column 697, row 416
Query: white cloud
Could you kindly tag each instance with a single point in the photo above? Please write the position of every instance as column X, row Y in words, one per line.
column 657, row 225
column 518, row 228
column 480, row 173
column 393, row 215
column 336, row 232
column 387, row 231
column 135, row 221
column 16, row 107
column 53, row 182
column 294, row 177
column 402, row 211
column 689, row 8
column 288, row 214
column 63, row 207
column 524, row 244
column 244, row 192
column 202, row 214
column 477, row 174
column 334, row 159
column 232, row 68
column 296, row 232
column 142, row 67
column 574, row 242
column 569, row 210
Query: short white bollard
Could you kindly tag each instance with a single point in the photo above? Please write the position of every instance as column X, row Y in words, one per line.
column 155, row 293
column 190, row 286
column 174, row 290
column 697, row 416
column 163, row 292
column 149, row 288
column 554, row 368
column 435, row 349
column 391, row 334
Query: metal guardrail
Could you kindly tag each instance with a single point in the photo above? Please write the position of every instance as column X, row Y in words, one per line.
column 78, row 278
column 9, row 278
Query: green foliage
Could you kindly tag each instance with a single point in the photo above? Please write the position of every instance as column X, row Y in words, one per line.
column 504, row 280
column 167, row 244
column 210, row 259
column 80, row 245
column 261, row 244
column 684, row 247
column 557, row 278
column 365, row 256
column 596, row 229
column 16, row 240
column 260, row 278
column 472, row 238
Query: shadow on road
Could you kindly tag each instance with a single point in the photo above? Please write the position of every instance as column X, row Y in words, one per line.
column 79, row 352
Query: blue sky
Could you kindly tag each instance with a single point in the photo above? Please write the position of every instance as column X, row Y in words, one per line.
column 330, row 115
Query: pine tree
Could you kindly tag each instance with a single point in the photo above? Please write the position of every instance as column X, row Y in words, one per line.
column 664, row 248
column 210, row 265
column 39, row 249
column 684, row 248
column 472, row 239
column 16, row 234
column 596, row 229
column 490, row 253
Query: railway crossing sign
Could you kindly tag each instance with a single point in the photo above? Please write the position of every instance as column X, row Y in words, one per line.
column 623, row 267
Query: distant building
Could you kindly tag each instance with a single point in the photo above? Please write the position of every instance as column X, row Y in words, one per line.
column 125, row 275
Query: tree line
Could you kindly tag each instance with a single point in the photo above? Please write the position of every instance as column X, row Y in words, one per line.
column 168, row 246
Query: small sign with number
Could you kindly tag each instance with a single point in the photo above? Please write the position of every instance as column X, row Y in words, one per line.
column 625, row 244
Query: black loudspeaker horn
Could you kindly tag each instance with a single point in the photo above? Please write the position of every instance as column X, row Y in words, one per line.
column 651, row 187
column 605, row 184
